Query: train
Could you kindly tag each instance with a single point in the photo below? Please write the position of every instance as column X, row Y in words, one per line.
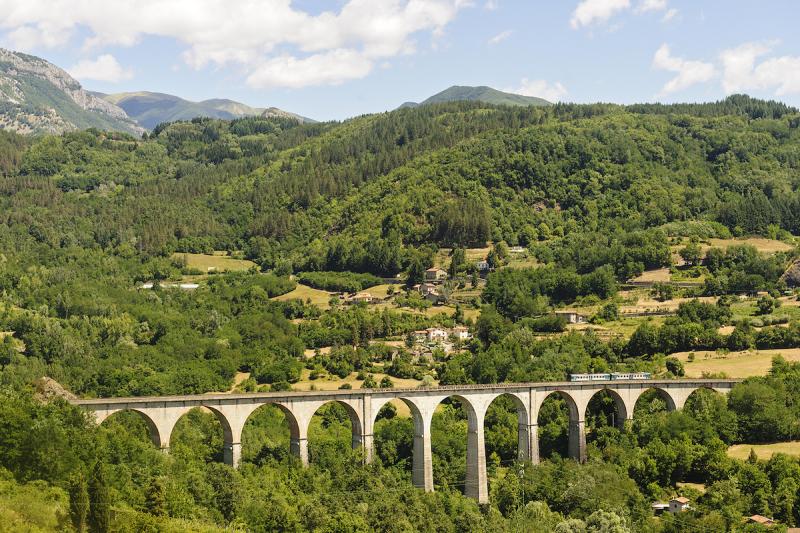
column 614, row 376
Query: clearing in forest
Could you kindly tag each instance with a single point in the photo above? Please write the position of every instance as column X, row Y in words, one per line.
column 769, row 246
column 216, row 262
column 734, row 364
column 764, row 451
column 318, row 297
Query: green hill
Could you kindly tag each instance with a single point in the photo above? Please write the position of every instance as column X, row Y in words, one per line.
column 459, row 93
column 38, row 97
column 150, row 109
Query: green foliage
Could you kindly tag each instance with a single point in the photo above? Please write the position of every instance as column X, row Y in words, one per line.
column 338, row 281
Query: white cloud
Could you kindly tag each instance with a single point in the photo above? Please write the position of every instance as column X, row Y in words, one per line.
column 688, row 72
column 491, row 5
column 330, row 68
column 104, row 68
column 248, row 33
column 651, row 5
column 500, row 37
column 740, row 72
column 590, row 11
column 552, row 92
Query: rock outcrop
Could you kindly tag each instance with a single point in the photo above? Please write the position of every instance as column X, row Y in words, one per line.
column 39, row 97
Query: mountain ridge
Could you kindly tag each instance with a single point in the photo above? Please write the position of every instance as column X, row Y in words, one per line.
column 149, row 108
column 37, row 96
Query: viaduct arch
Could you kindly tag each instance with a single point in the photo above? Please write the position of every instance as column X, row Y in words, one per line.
column 233, row 410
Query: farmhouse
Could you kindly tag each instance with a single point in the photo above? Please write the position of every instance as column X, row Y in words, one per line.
column 437, row 334
column 429, row 291
column 435, row 274
column 482, row 265
column 419, row 336
column 461, row 333
column 361, row 297
column 572, row 317
column 678, row 505
column 516, row 249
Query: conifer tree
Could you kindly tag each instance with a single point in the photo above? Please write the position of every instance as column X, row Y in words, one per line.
column 79, row 503
column 100, row 508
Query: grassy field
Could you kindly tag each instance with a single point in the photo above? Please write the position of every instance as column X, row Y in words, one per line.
column 653, row 276
column 764, row 451
column 442, row 258
column 769, row 246
column 734, row 364
column 647, row 303
column 217, row 262
column 303, row 292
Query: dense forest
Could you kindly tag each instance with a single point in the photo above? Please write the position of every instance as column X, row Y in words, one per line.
column 95, row 233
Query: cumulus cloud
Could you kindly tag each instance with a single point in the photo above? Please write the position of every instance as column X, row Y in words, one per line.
column 258, row 35
column 590, row 11
column 104, row 68
column 500, row 37
column 741, row 73
column 688, row 72
column 552, row 92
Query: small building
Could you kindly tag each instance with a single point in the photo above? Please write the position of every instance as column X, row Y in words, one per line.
column 678, row 505
column 659, row 507
column 419, row 336
column 436, row 334
column 572, row 317
column 482, row 265
column 461, row 333
column 435, row 274
column 425, row 288
column 763, row 520
column 516, row 249
column 361, row 297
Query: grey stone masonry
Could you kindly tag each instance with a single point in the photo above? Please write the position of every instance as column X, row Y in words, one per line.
column 162, row 413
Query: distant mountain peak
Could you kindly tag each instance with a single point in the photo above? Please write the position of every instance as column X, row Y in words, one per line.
column 482, row 93
column 39, row 97
column 150, row 109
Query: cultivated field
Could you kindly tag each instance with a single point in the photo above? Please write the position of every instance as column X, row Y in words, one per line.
column 734, row 364
column 217, row 262
column 764, row 451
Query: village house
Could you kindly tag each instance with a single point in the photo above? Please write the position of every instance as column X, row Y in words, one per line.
column 435, row 274
column 482, row 265
column 572, row 317
column 419, row 336
column 361, row 297
column 429, row 291
column 461, row 333
column 678, row 505
column 437, row 334
column 516, row 249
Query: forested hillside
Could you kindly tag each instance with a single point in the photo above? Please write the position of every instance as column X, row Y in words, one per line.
column 265, row 254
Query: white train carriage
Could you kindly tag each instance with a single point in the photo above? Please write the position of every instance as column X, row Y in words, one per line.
column 615, row 376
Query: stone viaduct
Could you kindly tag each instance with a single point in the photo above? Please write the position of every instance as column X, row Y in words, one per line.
column 162, row 413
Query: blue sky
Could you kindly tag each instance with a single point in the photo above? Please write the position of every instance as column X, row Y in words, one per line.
column 339, row 58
